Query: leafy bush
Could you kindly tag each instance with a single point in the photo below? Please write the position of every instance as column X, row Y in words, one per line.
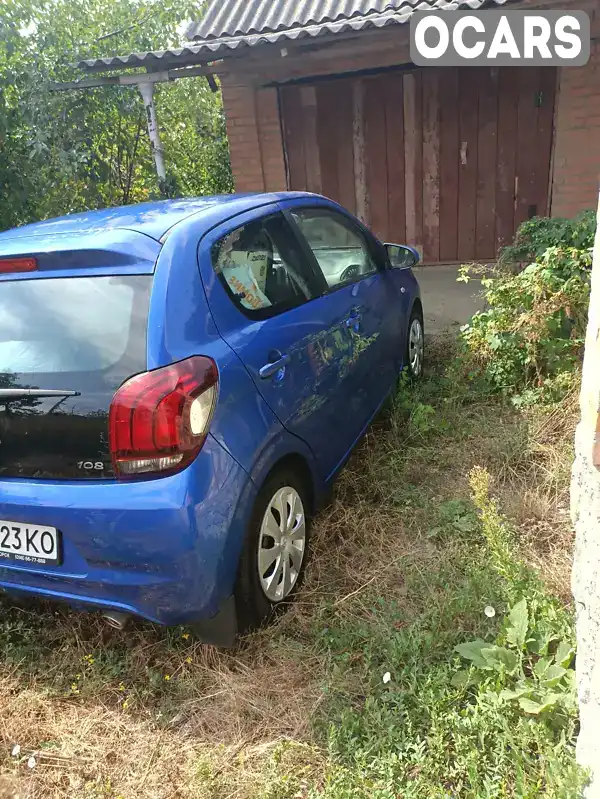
column 536, row 235
column 529, row 338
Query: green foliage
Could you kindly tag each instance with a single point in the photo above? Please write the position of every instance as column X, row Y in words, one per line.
column 528, row 340
column 536, row 235
column 519, row 673
column 527, row 666
column 69, row 151
column 455, row 517
column 423, row 419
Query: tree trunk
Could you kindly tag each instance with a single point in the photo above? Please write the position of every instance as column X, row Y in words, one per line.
column 585, row 511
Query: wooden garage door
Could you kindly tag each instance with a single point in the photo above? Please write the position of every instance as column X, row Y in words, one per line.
column 451, row 160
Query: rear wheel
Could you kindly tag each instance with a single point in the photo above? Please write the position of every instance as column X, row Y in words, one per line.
column 274, row 555
column 415, row 345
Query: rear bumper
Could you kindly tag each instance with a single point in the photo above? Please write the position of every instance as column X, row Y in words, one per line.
column 166, row 549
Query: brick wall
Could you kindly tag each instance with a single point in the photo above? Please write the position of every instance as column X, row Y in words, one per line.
column 242, row 131
column 254, row 133
column 270, row 140
column 577, row 142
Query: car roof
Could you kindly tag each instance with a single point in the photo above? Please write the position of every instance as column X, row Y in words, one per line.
column 153, row 219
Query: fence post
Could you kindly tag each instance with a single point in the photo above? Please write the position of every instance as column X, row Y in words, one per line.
column 146, row 89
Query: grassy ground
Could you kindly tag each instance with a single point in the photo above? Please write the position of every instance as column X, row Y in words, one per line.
column 402, row 571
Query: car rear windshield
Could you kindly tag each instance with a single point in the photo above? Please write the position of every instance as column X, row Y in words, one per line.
column 72, row 324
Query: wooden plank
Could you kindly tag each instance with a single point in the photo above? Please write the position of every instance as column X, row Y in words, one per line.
column 311, row 56
column 376, row 148
column 326, row 137
column 485, row 233
column 508, row 103
column 413, row 158
column 526, row 203
column 431, row 166
column 293, row 133
column 449, row 161
column 308, row 96
column 394, row 116
column 544, row 129
column 345, row 151
column 467, row 180
column 359, row 150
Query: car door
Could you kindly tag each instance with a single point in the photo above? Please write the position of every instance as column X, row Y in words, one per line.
column 271, row 308
column 405, row 289
column 356, row 276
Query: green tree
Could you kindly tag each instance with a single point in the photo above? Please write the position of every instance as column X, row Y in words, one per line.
column 69, row 151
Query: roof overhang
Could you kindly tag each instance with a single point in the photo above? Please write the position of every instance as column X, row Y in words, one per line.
column 151, row 61
column 207, row 51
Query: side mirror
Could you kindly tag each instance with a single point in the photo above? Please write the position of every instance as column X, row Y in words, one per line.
column 402, row 256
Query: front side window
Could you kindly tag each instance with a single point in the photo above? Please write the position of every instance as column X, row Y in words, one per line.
column 340, row 249
column 262, row 267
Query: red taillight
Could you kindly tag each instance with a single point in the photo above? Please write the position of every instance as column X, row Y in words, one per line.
column 9, row 265
column 158, row 420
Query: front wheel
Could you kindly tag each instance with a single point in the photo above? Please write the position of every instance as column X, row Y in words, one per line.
column 415, row 345
column 275, row 551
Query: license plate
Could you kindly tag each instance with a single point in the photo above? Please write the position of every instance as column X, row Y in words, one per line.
column 29, row 543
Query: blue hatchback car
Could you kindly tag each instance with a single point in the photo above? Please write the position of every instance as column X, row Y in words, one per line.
column 180, row 382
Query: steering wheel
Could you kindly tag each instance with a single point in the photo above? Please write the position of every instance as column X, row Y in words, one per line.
column 351, row 272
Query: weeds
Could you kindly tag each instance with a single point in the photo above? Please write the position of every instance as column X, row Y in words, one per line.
column 353, row 693
column 529, row 339
column 530, row 660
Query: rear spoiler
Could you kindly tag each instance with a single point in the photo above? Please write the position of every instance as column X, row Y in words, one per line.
column 106, row 252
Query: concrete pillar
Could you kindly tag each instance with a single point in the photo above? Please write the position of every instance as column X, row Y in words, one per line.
column 585, row 510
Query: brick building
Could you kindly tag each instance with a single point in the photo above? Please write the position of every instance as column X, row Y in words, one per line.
column 321, row 95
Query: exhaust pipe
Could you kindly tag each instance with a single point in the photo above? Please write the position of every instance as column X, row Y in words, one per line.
column 117, row 620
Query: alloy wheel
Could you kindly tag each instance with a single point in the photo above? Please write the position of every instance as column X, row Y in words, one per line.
column 416, row 347
column 281, row 544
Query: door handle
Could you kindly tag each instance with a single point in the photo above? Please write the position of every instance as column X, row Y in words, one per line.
column 271, row 368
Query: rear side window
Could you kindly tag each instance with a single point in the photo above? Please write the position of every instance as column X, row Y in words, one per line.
column 263, row 269
column 73, row 324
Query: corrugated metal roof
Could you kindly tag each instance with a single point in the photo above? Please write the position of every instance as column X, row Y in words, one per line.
column 252, row 21
column 231, row 24
column 153, row 60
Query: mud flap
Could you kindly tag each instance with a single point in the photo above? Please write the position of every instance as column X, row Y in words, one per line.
column 221, row 630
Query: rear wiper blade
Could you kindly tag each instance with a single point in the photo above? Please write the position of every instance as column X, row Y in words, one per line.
column 23, row 393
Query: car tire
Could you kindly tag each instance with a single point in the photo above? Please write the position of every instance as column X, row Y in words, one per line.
column 268, row 579
column 414, row 356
